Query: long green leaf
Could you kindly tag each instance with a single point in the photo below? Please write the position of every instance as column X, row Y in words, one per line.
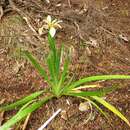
column 97, row 78
column 53, row 58
column 111, row 108
column 23, row 113
column 100, row 92
column 59, row 58
column 84, row 94
column 34, row 62
column 52, row 44
column 51, row 67
column 64, row 73
column 21, row 102
column 68, row 83
column 88, row 93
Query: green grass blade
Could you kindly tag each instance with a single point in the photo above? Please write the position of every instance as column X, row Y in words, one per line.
column 97, row 78
column 100, row 92
column 87, row 86
column 21, row 102
column 68, row 83
column 111, row 108
column 59, row 58
column 52, row 44
column 85, row 94
column 51, row 67
column 27, row 104
column 23, row 113
column 64, row 73
column 34, row 62
column 54, row 56
column 58, row 88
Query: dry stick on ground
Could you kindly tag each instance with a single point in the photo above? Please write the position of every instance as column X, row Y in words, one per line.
column 30, row 26
column 2, row 113
column 50, row 119
column 79, row 31
column 69, row 3
column 26, row 122
column 108, row 31
column 1, row 12
column 25, row 17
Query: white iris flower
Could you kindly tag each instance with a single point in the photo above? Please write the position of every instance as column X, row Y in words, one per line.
column 52, row 26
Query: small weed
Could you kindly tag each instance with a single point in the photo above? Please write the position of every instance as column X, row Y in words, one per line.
column 59, row 85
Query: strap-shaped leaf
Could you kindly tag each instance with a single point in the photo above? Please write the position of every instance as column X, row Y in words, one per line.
column 23, row 113
column 100, row 92
column 59, row 58
column 52, row 44
column 53, row 57
column 86, row 94
column 111, row 108
column 51, row 67
column 64, row 73
column 97, row 78
column 34, row 62
column 21, row 102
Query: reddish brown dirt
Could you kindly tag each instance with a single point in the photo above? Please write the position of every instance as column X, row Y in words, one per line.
column 83, row 21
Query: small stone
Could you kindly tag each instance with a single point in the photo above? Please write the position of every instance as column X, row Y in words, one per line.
column 84, row 106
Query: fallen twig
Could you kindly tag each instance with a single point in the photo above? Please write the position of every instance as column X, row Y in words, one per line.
column 1, row 12
column 25, row 17
column 26, row 122
column 2, row 113
column 69, row 3
column 30, row 26
column 50, row 119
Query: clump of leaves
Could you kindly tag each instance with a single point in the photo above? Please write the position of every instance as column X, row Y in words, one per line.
column 59, row 85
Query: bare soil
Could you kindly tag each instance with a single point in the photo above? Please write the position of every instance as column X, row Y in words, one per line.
column 98, row 32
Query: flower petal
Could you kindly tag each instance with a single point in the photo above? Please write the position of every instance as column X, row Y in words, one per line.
column 58, row 25
column 52, row 31
column 49, row 19
column 54, row 21
column 59, row 21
